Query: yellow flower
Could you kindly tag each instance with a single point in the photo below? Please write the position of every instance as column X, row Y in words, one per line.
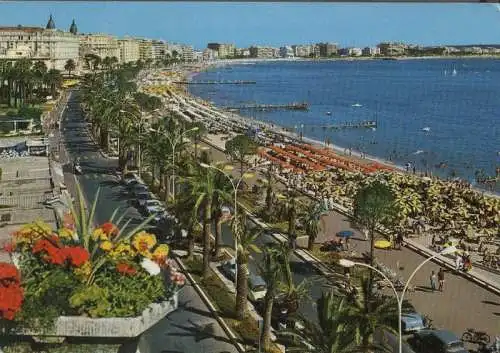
column 143, row 242
column 98, row 234
column 106, row 245
column 83, row 272
column 122, row 250
column 65, row 233
column 161, row 251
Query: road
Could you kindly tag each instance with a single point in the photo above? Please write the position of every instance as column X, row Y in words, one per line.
column 463, row 303
column 191, row 328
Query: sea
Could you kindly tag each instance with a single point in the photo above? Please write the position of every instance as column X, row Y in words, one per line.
column 441, row 116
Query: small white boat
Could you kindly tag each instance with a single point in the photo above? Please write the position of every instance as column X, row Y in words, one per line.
column 426, row 129
column 418, row 152
column 454, row 72
column 357, row 105
column 374, row 129
column 328, row 113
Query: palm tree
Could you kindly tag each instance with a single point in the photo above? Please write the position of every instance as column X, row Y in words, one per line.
column 291, row 209
column 311, row 218
column 269, row 193
column 373, row 205
column 292, row 293
column 70, row 66
column 271, row 273
column 22, row 70
column 239, row 147
column 369, row 313
column 218, row 202
column 332, row 333
column 53, row 80
column 204, row 189
column 246, row 245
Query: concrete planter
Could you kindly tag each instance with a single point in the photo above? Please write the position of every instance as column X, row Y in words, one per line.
column 78, row 326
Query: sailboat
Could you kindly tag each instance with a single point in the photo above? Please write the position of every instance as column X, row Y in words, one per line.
column 446, row 72
column 454, row 72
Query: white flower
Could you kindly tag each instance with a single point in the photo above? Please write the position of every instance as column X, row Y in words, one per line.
column 150, row 266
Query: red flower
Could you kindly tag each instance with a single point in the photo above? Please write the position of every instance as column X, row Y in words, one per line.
column 76, row 255
column 11, row 299
column 109, row 228
column 9, row 272
column 9, row 247
column 126, row 269
column 43, row 245
column 56, row 256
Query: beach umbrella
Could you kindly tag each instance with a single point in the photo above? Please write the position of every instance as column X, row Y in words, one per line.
column 345, row 234
column 382, row 244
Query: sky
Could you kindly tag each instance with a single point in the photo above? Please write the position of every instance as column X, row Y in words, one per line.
column 276, row 24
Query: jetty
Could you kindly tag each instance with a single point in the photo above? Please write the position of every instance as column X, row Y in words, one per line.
column 364, row 124
column 264, row 107
column 223, row 82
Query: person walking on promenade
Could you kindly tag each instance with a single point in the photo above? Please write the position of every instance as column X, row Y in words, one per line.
column 433, row 279
column 365, row 232
column 399, row 241
column 441, row 279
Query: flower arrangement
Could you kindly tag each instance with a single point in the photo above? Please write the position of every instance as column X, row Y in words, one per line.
column 79, row 269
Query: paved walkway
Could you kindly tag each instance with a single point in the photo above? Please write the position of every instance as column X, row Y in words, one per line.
column 463, row 304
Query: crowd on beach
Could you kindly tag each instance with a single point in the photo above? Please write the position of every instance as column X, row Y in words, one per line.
column 449, row 209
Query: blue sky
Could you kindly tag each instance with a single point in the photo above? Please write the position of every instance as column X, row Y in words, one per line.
column 275, row 24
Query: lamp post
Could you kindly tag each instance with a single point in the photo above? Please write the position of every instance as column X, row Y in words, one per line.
column 399, row 298
column 235, row 189
column 139, row 149
column 173, row 143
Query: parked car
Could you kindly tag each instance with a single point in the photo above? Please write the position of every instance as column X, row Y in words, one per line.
column 129, row 177
column 228, row 269
column 141, row 198
column 139, row 189
column 437, row 341
column 412, row 322
column 256, row 284
column 153, row 206
column 256, row 287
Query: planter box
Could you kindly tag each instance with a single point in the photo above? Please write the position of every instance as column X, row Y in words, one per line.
column 77, row 326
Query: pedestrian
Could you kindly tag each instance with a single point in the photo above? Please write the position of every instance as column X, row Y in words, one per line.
column 433, row 279
column 441, row 279
column 365, row 232
column 458, row 262
column 399, row 240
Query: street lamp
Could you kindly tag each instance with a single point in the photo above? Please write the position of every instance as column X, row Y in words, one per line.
column 399, row 298
column 173, row 143
column 235, row 188
column 139, row 150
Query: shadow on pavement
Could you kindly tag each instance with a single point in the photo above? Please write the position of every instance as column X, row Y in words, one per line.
column 199, row 332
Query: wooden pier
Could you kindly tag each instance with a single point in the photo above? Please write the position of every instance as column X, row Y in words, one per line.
column 239, row 82
column 264, row 107
column 364, row 124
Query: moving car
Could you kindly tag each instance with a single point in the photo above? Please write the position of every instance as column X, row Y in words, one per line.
column 153, row 206
column 228, row 269
column 139, row 189
column 437, row 341
column 129, row 178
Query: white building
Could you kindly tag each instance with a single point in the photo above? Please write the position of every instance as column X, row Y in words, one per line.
column 100, row 44
column 129, row 50
column 187, row 53
column 209, row 54
column 302, row 51
column 158, row 50
column 355, row 51
column 50, row 45
column 286, row 52
column 370, row 51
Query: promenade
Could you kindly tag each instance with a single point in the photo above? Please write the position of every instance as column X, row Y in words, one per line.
column 447, row 309
column 191, row 328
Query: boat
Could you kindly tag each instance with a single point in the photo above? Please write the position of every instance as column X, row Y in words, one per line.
column 454, row 72
column 328, row 113
column 426, row 129
column 357, row 105
column 418, row 152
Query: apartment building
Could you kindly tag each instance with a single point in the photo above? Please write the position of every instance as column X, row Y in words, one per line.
column 327, row 49
column 223, row 50
column 261, row 52
column 145, row 49
column 392, row 48
column 129, row 50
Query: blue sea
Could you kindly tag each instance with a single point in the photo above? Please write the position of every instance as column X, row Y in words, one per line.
column 439, row 115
